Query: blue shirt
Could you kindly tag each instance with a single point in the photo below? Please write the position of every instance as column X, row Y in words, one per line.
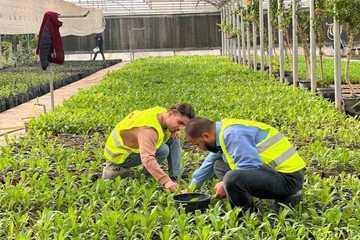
column 241, row 144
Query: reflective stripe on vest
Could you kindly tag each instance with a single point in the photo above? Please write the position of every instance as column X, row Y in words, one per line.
column 275, row 150
column 285, row 156
column 269, row 142
column 116, row 138
column 108, row 151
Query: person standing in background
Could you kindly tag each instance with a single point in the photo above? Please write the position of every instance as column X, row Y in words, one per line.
column 99, row 46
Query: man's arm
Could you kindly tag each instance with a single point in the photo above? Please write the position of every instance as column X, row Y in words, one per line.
column 205, row 171
column 147, row 138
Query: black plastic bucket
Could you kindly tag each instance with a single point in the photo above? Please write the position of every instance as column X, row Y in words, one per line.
column 192, row 201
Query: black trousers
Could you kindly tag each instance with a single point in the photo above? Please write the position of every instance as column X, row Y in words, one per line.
column 102, row 54
column 243, row 184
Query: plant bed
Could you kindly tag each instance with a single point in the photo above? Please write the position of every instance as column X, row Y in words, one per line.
column 328, row 93
column 276, row 74
column 352, row 105
column 288, row 79
column 40, row 85
column 305, row 84
column 2, row 104
column 57, row 197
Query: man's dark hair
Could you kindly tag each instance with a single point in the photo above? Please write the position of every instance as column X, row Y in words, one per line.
column 184, row 109
column 197, row 126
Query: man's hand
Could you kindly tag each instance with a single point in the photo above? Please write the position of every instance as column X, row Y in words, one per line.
column 175, row 135
column 171, row 186
column 219, row 190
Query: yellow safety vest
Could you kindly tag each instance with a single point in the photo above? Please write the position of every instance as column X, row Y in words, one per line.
column 116, row 151
column 275, row 150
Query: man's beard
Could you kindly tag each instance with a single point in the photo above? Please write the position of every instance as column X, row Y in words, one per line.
column 211, row 147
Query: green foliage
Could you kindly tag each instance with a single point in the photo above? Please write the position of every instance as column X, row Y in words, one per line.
column 225, row 27
column 18, row 50
column 328, row 64
column 20, row 79
column 346, row 13
column 54, row 198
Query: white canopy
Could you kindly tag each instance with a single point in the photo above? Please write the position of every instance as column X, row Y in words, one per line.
column 25, row 17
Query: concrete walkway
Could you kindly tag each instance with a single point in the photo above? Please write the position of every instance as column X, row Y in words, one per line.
column 14, row 119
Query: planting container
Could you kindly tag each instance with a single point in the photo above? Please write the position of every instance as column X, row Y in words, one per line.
column 288, row 79
column 305, row 84
column 192, row 201
column 352, row 105
column 328, row 93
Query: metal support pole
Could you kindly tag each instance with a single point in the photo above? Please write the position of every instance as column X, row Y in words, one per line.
column 337, row 66
column 243, row 48
column 51, row 83
column 270, row 39
column 238, row 38
column 261, row 21
column 312, row 47
column 234, row 40
column 227, row 39
column 230, row 39
column 222, row 33
column 254, row 35
column 281, row 41
column 224, row 19
column 248, row 43
column 295, row 60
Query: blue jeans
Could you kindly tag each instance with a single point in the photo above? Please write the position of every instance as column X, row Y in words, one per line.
column 169, row 151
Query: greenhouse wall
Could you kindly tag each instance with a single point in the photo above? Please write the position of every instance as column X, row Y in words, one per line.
column 197, row 31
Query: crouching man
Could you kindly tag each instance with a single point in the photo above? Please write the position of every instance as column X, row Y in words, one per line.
column 146, row 137
column 251, row 159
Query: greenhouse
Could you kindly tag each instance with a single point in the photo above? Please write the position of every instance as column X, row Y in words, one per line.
column 184, row 119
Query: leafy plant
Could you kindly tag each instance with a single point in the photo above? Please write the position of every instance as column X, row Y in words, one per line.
column 55, row 196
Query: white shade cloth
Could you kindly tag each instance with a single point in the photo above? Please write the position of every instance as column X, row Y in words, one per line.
column 25, row 16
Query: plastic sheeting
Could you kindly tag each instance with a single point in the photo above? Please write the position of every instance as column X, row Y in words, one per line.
column 25, row 16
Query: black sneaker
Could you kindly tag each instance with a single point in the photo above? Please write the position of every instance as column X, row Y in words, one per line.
column 290, row 201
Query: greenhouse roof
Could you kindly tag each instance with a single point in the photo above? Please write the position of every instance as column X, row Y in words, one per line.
column 149, row 7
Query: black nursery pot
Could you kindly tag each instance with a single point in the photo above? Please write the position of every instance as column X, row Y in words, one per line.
column 276, row 74
column 288, row 77
column 2, row 104
column 305, row 84
column 192, row 201
column 328, row 93
column 352, row 105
